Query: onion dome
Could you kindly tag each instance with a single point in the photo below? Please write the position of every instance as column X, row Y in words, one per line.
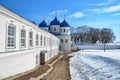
column 43, row 24
column 55, row 22
column 64, row 24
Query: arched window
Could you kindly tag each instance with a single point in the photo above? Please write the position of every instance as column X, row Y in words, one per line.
column 31, row 39
column 60, row 30
column 11, row 36
column 61, row 40
column 54, row 29
column 64, row 30
column 23, row 37
column 66, row 41
column 37, row 40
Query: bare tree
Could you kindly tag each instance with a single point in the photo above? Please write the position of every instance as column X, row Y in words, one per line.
column 86, row 34
column 73, row 34
column 107, row 35
column 83, row 33
column 94, row 35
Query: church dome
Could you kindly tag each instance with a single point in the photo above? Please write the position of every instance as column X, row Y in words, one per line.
column 43, row 24
column 55, row 22
column 64, row 24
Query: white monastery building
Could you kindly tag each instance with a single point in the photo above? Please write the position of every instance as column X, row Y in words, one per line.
column 22, row 42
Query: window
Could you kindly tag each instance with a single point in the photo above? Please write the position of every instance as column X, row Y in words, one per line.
column 11, row 36
column 61, row 40
column 41, row 40
column 64, row 30
column 66, row 41
column 31, row 39
column 61, row 30
column 37, row 40
column 23, row 38
column 54, row 29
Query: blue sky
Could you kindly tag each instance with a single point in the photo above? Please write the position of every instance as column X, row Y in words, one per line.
column 94, row 13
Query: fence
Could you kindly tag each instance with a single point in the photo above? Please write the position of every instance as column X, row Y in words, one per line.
column 95, row 46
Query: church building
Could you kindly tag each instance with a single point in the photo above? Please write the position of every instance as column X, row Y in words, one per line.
column 61, row 30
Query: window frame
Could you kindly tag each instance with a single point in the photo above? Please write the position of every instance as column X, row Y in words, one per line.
column 64, row 30
column 54, row 29
column 37, row 40
column 13, row 36
column 62, row 41
column 30, row 39
column 22, row 38
column 66, row 40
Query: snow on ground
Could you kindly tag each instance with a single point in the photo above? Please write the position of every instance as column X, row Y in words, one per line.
column 95, row 65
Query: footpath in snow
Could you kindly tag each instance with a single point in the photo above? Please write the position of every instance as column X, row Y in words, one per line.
column 95, row 65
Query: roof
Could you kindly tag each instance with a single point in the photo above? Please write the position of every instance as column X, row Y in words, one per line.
column 55, row 22
column 64, row 24
column 43, row 24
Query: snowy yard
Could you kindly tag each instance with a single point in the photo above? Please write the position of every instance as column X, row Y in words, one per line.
column 95, row 65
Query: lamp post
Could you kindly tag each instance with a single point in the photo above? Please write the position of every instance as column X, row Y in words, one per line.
column 104, row 45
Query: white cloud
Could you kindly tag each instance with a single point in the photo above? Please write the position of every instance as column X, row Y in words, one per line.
column 112, row 9
column 77, row 15
column 59, row 12
column 106, row 9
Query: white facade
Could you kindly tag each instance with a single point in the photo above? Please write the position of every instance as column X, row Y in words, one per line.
column 21, row 44
column 65, row 44
column 62, row 31
column 55, row 29
column 64, row 34
column 65, row 31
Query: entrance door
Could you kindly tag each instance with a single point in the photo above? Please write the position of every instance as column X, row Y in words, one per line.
column 42, row 58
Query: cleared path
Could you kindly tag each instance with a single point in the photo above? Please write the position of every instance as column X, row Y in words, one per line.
column 60, row 70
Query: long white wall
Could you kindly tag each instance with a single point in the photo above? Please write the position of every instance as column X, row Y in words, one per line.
column 17, row 60
column 96, row 46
